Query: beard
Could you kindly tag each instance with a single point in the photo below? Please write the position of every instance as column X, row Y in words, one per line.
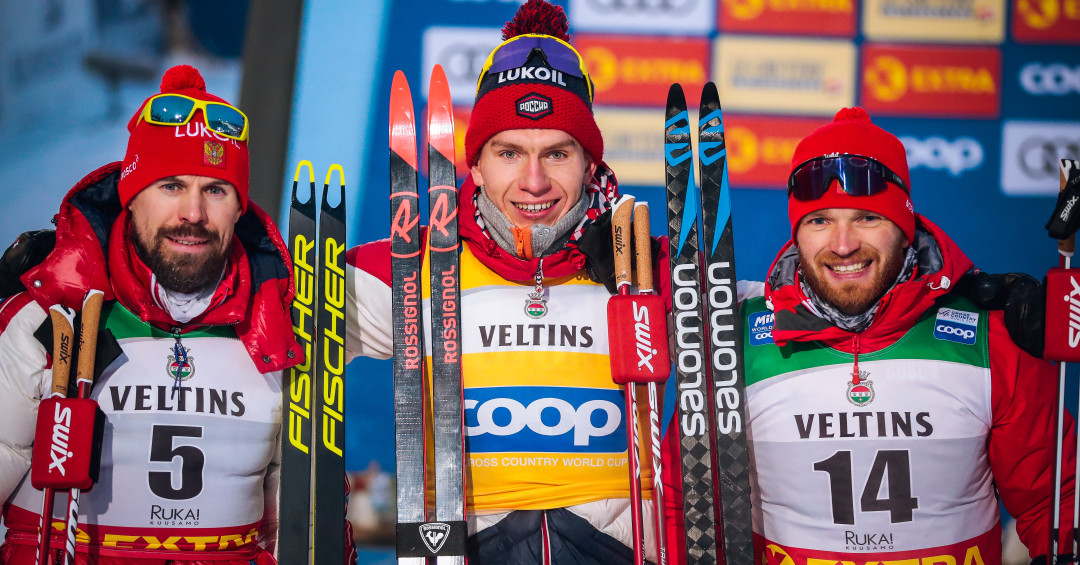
column 852, row 298
column 185, row 273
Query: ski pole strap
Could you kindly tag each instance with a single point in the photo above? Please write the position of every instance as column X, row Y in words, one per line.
column 431, row 539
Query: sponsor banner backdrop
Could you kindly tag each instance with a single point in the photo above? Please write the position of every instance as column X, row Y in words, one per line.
column 634, row 143
column 788, row 76
column 835, row 18
column 759, row 148
column 947, row 21
column 1046, row 21
column 1031, row 153
column 1043, row 82
column 931, row 81
column 672, row 17
column 461, row 51
column 638, row 70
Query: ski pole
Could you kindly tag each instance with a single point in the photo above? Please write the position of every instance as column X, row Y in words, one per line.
column 1059, row 321
column 621, row 214
column 643, row 263
column 63, row 335
column 88, row 330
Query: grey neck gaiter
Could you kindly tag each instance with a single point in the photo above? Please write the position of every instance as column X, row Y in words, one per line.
column 545, row 239
column 856, row 322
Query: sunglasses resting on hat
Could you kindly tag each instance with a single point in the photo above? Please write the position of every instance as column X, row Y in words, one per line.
column 177, row 109
column 516, row 52
column 857, row 175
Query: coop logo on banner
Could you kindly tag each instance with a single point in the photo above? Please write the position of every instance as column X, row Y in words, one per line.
column 1055, row 79
column 1031, row 154
column 830, row 17
column 685, row 17
column 461, row 51
column 959, row 21
column 1046, row 21
column 759, row 148
column 953, row 156
column 639, row 70
column 811, row 76
column 940, row 81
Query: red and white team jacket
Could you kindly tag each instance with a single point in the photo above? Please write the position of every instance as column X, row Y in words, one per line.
column 906, row 463
column 189, row 468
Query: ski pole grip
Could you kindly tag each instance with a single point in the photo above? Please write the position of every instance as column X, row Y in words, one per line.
column 88, row 332
column 621, row 214
column 1069, row 173
column 643, row 247
column 63, row 322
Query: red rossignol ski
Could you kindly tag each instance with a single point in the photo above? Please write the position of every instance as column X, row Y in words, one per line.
column 444, row 248
column 441, row 533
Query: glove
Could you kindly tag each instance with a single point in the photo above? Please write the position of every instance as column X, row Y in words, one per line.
column 29, row 249
column 595, row 244
column 1022, row 298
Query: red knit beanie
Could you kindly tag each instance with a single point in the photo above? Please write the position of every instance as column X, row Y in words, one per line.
column 852, row 133
column 155, row 152
column 535, row 95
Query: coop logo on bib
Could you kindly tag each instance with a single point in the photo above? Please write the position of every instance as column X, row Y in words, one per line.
column 956, row 325
column 761, row 328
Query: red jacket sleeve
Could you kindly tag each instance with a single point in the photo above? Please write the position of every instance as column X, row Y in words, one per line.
column 1021, row 445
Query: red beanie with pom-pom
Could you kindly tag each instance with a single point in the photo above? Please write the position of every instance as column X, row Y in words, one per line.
column 535, row 94
column 852, row 133
column 155, row 152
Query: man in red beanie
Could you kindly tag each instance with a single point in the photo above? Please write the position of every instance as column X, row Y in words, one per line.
column 196, row 282
column 556, row 489
column 886, row 412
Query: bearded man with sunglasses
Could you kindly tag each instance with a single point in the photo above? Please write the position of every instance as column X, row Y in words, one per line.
column 889, row 416
column 533, row 322
column 197, row 286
